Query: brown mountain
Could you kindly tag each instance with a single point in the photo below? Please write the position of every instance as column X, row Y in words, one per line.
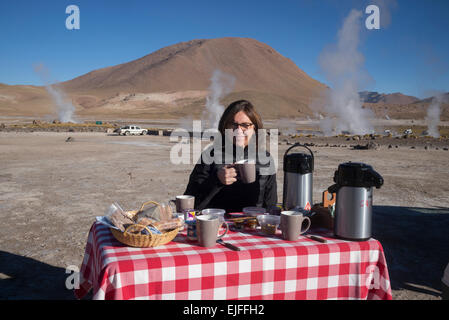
column 444, row 98
column 389, row 98
column 174, row 82
column 400, row 106
column 21, row 100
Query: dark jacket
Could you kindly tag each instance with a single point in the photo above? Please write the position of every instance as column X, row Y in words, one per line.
column 209, row 192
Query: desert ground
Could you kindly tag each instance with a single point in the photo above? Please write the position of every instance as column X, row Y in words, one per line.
column 51, row 190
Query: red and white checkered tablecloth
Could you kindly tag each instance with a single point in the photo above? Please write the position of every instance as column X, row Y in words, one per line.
column 267, row 267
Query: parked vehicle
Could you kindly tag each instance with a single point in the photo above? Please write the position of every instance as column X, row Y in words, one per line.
column 132, row 130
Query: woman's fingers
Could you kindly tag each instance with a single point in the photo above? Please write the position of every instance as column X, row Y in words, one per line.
column 231, row 175
column 227, row 175
column 231, row 172
column 230, row 180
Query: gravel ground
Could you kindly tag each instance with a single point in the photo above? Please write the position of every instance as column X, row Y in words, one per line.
column 51, row 190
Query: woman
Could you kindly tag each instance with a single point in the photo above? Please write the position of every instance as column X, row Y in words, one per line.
column 217, row 185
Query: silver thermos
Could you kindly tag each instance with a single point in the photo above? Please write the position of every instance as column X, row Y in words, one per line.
column 354, row 182
column 298, row 179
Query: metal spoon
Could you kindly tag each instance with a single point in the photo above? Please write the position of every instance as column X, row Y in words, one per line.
column 228, row 245
column 314, row 237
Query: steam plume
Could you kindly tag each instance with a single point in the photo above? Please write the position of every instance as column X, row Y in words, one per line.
column 342, row 64
column 221, row 85
column 433, row 114
column 64, row 106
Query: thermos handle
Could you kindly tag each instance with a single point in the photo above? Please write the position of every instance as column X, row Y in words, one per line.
column 300, row 145
column 376, row 179
column 333, row 188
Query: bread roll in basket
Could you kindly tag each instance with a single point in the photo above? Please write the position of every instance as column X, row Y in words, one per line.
column 133, row 237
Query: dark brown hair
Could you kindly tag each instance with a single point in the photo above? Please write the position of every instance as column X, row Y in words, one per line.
column 241, row 105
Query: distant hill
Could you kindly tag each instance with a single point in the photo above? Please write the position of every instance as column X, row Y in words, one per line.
column 444, row 99
column 399, row 106
column 174, row 82
column 391, row 98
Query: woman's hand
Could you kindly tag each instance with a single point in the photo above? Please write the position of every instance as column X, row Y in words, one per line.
column 227, row 175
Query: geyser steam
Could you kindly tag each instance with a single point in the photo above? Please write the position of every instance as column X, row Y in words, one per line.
column 342, row 64
column 221, row 85
column 433, row 114
column 64, row 106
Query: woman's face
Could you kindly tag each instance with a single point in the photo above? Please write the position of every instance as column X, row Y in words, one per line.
column 243, row 129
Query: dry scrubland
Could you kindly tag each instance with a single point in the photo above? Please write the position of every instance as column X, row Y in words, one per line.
column 51, row 190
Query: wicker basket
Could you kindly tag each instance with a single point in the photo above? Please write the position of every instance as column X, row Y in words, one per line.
column 141, row 240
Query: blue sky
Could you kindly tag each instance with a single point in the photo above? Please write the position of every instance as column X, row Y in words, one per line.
column 409, row 55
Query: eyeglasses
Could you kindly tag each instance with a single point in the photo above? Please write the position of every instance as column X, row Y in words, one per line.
column 244, row 126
